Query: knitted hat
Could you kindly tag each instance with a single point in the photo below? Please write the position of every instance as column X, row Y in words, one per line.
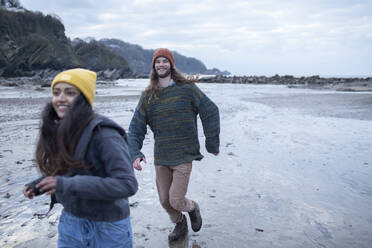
column 163, row 52
column 84, row 80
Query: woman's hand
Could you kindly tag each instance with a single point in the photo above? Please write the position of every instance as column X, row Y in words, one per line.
column 28, row 192
column 47, row 185
column 137, row 163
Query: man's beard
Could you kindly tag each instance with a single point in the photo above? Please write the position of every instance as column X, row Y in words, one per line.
column 166, row 74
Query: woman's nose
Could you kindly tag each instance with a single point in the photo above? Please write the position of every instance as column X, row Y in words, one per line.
column 61, row 97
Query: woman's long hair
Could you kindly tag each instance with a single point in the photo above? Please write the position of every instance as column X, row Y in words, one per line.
column 177, row 77
column 59, row 137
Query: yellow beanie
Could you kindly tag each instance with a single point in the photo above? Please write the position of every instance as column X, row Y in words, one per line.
column 84, row 80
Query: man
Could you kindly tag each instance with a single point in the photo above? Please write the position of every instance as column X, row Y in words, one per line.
column 170, row 105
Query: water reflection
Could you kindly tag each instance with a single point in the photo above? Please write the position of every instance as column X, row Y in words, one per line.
column 183, row 243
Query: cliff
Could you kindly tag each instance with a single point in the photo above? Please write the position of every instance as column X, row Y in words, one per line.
column 35, row 45
column 98, row 58
column 31, row 42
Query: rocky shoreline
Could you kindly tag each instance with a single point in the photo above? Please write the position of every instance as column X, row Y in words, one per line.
column 312, row 82
column 316, row 82
column 41, row 82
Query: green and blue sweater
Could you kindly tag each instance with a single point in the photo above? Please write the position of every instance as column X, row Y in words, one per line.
column 172, row 118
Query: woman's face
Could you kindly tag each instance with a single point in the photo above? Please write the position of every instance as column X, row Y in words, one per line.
column 64, row 95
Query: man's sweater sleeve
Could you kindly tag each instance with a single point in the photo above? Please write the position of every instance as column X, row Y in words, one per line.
column 137, row 130
column 209, row 115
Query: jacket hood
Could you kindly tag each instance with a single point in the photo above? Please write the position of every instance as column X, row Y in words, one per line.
column 97, row 121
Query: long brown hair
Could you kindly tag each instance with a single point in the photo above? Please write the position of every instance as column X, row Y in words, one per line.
column 58, row 137
column 153, row 88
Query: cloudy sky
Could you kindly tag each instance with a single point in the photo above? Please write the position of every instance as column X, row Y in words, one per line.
column 245, row 37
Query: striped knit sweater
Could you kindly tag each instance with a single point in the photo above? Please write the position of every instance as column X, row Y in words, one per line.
column 172, row 118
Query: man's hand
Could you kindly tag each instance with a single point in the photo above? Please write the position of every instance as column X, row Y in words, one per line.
column 47, row 185
column 137, row 163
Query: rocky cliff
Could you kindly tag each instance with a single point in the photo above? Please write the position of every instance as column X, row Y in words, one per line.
column 98, row 58
column 32, row 44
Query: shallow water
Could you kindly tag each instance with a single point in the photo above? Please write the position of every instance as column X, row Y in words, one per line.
column 294, row 170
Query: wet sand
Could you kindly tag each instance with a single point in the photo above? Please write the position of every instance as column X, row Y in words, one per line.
column 294, row 170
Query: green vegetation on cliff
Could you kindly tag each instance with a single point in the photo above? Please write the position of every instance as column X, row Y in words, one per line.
column 32, row 44
column 98, row 58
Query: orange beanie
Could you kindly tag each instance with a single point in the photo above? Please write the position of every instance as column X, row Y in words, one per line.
column 163, row 52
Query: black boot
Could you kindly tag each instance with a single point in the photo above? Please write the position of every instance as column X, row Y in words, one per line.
column 179, row 231
column 195, row 218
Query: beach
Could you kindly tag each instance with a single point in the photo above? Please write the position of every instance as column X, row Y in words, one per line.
column 294, row 169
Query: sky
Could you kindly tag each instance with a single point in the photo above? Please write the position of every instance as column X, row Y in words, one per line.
column 245, row 37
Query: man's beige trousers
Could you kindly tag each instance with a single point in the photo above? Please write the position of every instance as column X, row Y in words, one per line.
column 172, row 183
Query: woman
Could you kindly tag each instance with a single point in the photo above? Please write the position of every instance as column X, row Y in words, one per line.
column 85, row 164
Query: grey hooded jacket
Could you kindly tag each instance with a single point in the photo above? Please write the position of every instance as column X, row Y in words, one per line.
column 99, row 192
